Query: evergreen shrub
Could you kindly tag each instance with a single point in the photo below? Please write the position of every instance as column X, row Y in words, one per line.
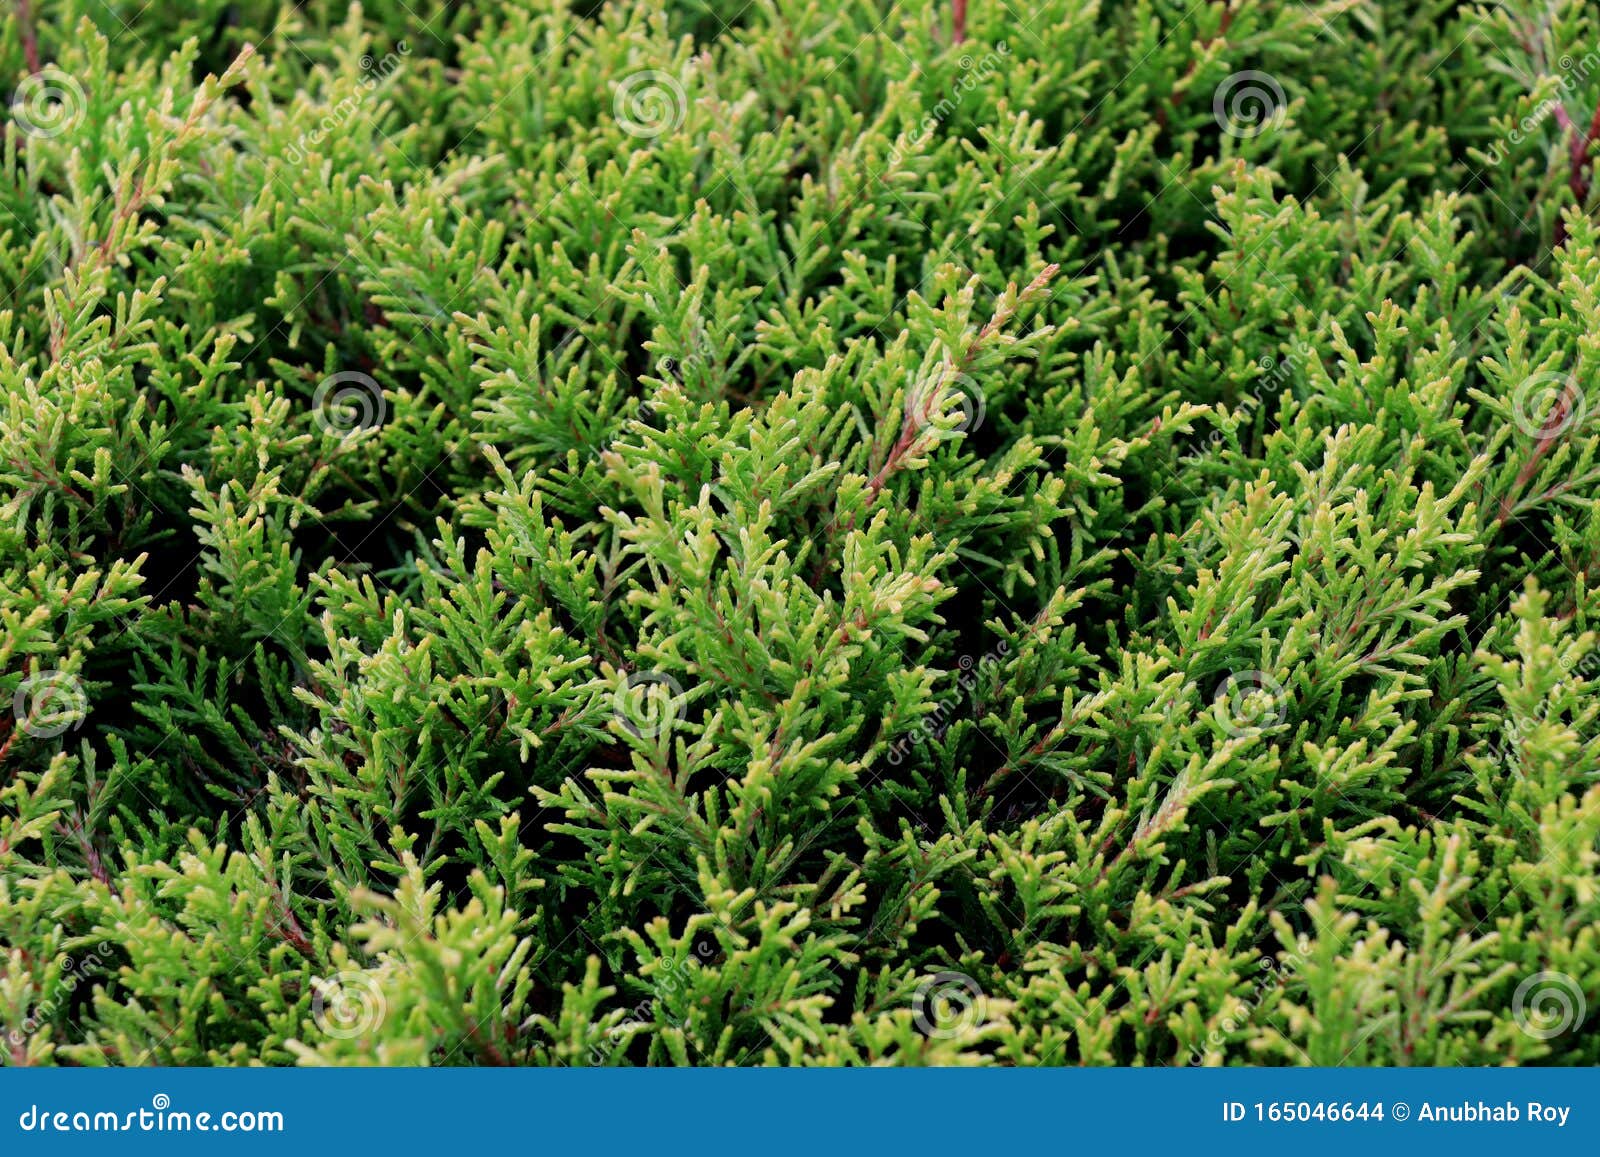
column 799, row 532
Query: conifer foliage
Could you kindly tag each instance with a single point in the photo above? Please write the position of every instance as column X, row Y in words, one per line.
column 799, row 532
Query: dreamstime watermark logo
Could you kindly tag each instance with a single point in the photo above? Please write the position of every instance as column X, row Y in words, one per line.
column 374, row 73
column 973, row 73
column 348, row 1005
column 71, row 970
column 160, row 1117
column 1508, row 751
column 49, row 703
column 1276, row 374
column 48, row 103
column 647, row 703
column 347, row 402
column 1248, row 104
column 1274, row 976
column 689, row 373
column 1582, row 667
column 948, row 1004
column 1251, row 701
column 1545, row 406
column 933, row 725
column 1575, row 74
column 671, row 978
column 682, row 370
column 1548, row 1004
column 649, row 103
column 931, row 399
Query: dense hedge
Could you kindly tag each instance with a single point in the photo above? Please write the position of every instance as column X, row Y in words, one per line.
column 785, row 532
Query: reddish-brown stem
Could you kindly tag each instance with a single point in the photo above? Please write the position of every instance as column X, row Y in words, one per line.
column 487, row 1048
column 91, row 855
column 908, row 434
column 958, row 21
column 30, row 36
column 1554, row 422
column 1579, row 150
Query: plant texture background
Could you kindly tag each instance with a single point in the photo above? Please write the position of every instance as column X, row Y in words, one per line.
column 799, row 532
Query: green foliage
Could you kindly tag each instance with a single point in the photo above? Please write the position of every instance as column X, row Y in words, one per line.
column 755, row 534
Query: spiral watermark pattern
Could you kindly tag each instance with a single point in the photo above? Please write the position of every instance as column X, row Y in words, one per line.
column 649, row 103
column 85, row 965
column 347, row 402
column 48, row 103
column 648, row 702
column 348, row 1005
column 1251, row 701
column 1548, row 1004
column 48, row 704
column 948, row 1004
column 935, row 397
column 1546, row 406
column 1248, row 104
